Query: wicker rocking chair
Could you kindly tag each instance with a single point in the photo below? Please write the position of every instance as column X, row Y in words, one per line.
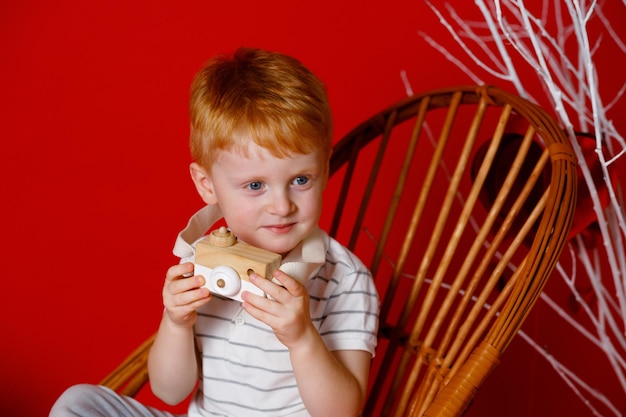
column 460, row 201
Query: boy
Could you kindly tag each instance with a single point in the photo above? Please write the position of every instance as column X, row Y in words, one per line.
column 261, row 133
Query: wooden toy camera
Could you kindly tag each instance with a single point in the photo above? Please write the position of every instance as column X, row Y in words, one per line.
column 226, row 264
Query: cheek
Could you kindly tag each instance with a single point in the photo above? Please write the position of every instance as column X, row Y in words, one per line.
column 232, row 203
column 240, row 216
column 312, row 204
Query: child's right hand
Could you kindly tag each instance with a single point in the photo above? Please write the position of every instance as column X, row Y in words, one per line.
column 183, row 294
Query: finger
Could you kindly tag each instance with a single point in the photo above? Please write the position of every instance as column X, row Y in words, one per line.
column 260, row 282
column 188, row 300
column 182, row 288
column 179, row 271
column 185, row 314
column 272, row 289
column 190, row 297
column 260, row 308
column 182, row 285
column 290, row 284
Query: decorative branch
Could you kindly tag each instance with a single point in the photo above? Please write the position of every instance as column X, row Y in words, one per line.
column 519, row 47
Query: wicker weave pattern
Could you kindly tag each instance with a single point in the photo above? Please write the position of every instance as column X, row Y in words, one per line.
column 458, row 273
column 458, row 267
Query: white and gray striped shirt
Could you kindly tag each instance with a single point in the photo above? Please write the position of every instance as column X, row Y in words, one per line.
column 246, row 371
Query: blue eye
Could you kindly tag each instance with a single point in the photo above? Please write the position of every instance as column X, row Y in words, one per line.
column 301, row 180
column 255, row 186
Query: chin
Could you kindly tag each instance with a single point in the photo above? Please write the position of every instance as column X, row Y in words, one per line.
column 283, row 247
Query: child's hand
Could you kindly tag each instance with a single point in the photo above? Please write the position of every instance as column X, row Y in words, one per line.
column 183, row 294
column 286, row 310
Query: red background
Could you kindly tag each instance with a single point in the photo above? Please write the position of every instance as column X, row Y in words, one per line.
column 94, row 129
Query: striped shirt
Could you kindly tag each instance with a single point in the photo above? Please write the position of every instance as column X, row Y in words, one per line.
column 246, row 371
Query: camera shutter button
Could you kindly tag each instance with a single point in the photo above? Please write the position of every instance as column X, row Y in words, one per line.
column 222, row 237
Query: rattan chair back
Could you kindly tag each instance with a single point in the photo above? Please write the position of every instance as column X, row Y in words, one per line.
column 460, row 201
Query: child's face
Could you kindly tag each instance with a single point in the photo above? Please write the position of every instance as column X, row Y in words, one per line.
column 269, row 202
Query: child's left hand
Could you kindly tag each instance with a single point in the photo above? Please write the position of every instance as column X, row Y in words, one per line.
column 285, row 310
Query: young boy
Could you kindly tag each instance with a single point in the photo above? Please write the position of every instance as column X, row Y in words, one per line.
column 261, row 133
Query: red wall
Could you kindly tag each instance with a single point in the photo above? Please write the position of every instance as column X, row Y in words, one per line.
column 93, row 130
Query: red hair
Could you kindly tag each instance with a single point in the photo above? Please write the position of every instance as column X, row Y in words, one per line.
column 267, row 97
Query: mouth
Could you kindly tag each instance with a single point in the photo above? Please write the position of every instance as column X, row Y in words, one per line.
column 280, row 228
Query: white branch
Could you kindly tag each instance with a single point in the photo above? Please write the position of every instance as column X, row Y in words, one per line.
column 561, row 55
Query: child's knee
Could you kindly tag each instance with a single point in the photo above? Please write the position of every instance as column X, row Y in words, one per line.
column 79, row 400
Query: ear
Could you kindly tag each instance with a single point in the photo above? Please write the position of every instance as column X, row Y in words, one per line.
column 203, row 183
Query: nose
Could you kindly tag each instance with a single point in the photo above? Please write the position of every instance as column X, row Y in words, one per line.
column 281, row 204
